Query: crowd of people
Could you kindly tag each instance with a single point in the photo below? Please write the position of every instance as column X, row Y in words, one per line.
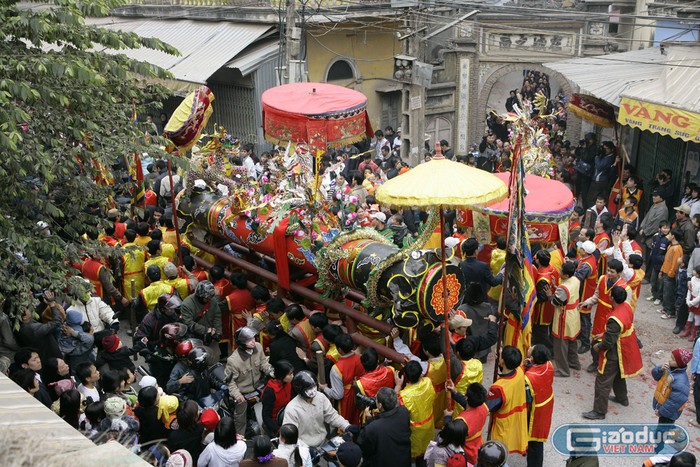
column 206, row 336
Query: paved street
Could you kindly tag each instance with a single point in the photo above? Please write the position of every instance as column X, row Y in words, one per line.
column 574, row 395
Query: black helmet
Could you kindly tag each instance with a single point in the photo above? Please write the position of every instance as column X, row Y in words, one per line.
column 492, row 454
column 243, row 335
column 171, row 334
column 170, row 304
column 197, row 358
column 205, row 291
column 302, row 381
column 153, row 272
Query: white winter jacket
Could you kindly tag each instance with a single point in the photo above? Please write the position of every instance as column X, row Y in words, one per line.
column 96, row 312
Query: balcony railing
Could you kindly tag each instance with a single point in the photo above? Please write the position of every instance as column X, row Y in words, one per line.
column 254, row 3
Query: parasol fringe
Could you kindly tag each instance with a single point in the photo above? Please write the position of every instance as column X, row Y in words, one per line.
column 596, row 119
column 332, row 144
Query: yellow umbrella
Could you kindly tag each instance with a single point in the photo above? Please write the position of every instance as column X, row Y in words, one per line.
column 441, row 183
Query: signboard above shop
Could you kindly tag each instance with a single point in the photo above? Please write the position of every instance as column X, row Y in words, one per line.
column 668, row 121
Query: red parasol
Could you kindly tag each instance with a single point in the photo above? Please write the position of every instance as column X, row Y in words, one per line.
column 593, row 109
column 321, row 115
column 548, row 203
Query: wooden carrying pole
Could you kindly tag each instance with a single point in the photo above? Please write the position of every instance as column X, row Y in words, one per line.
column 443, row 263
column 315, row 297
column 446, row 312
column 175, row 222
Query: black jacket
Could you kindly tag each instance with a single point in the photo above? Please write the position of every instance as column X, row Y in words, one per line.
column 117, row 360
column 285, row 348
column 150, row 426
column 41, row 336
column 386, row 440
column 43, row 396
column 189, row 440
column 474, row 270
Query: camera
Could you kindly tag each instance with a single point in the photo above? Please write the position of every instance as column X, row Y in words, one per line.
column 363, row 402
column 40, row 294
column 208, row 338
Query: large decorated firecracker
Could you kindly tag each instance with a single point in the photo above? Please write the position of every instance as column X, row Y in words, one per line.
column 406, row 282
column 403, row 283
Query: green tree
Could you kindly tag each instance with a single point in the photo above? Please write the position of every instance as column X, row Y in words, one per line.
column 66, row 119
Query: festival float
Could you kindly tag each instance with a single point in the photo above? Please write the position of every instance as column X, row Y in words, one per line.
column 309, row 239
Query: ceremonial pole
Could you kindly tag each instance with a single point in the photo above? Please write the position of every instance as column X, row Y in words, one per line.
column 175, row 222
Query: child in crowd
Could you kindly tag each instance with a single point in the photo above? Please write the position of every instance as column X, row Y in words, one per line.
column 209, row 420
column 667, row 275
column 693, row 301
column 657, row 252
column 450, row 441
column 681, row 294
column 112, row 353
column 680, row 286
column 94, row 414
column 75, row 343
column 167, row 409
column 113, row 385
column 117, row 419
column 128, row 378
column 399, row 229
column 673, row 387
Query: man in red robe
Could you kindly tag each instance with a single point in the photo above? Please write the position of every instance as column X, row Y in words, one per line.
column 343, row 373
column 539, row 376
column 619, row 357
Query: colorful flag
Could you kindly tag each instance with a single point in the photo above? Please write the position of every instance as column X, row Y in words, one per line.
column 138, row 193
column 519, row 270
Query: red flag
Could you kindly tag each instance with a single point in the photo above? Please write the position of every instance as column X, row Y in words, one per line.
column 139, row 169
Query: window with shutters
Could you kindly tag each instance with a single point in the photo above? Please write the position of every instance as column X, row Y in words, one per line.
column 391, row 110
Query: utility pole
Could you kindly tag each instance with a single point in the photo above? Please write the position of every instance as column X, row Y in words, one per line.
column 292, row 36
column 413, row 97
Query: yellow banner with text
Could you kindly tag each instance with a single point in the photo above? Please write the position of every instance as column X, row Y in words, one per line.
column 656, row 118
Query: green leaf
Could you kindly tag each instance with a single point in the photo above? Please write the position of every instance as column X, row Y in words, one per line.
column 62, row 111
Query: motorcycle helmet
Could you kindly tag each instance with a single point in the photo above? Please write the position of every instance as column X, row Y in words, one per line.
column 205, row 291
column 244, row 335
column 197, row 358
column 184, row 348
column 170, row 304
column 171, row 334
column 302, row 381
column 492, row 454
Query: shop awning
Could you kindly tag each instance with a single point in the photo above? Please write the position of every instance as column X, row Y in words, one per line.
column 253, row 57
column 204, row 46
column 389, row 87
column 670, row 104
column 607, row 77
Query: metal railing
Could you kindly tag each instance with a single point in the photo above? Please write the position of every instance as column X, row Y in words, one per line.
column 252, row 3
